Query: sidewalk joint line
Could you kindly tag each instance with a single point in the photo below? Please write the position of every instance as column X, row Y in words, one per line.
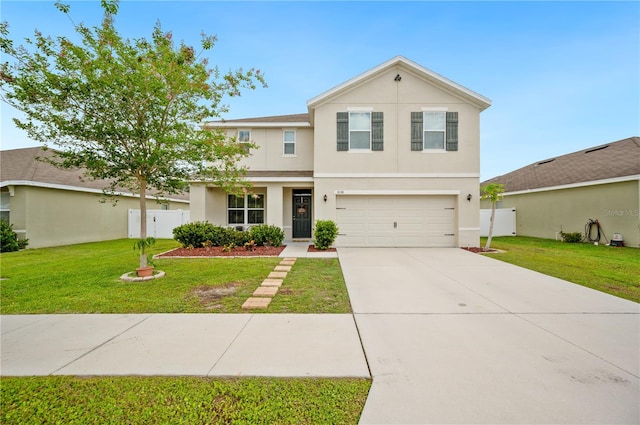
column 230, row 344
column 102, row 344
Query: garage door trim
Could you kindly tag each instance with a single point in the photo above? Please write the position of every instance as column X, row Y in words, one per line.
column 396, row 192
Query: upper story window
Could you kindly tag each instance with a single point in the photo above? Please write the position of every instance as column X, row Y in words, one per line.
column 434, row 131
column 244, row 137
column 360, row 131
column 289, row 142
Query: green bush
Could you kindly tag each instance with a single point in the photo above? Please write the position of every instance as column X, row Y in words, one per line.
column 9, row 241
column 326, row 232
column 240, row 238
column 194, row 234
column 265, row 234
column 573, row 237
column 198, row 234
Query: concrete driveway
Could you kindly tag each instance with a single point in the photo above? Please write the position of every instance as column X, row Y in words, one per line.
column 455, row 337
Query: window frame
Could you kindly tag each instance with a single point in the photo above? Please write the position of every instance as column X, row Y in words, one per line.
column 285, row 142
column 370, row 130
column 245, row 208
column 242, row 141
column 5, row 213
column 426, row 130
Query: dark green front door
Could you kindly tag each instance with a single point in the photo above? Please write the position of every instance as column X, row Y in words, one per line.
column 301, row 214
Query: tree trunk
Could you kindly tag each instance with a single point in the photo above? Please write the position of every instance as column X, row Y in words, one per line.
column 493, row 216
column 143, row 220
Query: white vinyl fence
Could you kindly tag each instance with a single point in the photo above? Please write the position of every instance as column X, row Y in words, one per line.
column 160, row 223
column 505, row 224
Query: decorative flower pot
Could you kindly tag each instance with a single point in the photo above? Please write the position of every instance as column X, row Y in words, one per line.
column 144, row 271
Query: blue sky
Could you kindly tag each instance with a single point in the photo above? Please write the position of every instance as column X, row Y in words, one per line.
column 562, row 76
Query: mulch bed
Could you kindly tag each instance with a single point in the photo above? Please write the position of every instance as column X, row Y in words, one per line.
column 478, row 250
column 216, row 251
column 312, row 248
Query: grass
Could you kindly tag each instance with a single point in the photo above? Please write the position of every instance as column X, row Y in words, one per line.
column 184, row 400
column 84, row 278
column 608, row 269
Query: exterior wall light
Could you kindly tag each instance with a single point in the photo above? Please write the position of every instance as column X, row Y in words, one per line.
column 469, row 197
column 325, row 198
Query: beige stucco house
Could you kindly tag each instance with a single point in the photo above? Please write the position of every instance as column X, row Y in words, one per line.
column 562, row 194
column 52, row 207
column 392, row 156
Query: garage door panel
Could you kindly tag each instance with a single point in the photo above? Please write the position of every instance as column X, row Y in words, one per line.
column 420, row 221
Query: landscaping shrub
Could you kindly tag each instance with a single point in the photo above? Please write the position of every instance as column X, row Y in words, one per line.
column 265, row 234
column 199, row 234
column 193, row 234
column 9, row 241
column 326, row 232
column 240, row 238
column 573, row 237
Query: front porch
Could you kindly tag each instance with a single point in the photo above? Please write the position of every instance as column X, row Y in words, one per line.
column 284, row 201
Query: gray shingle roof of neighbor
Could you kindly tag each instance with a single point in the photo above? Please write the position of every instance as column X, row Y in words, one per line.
column 608, row 161
column 271, row 119
column 22, row 165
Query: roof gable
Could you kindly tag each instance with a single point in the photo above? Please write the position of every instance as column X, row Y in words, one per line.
column 399, row 61
column 609, row 161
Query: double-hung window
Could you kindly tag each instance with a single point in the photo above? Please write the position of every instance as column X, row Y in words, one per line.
column 289, row 142
column 4, row 205
column 360, row 131
column 244, row 138
column 245, row 209
column 434, row 130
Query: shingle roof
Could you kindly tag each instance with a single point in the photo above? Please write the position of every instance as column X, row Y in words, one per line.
column 22, row 165
column 612, row 160
column 288, row 174
column 292, row 118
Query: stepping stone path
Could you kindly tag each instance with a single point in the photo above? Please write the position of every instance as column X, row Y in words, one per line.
column 264, row 294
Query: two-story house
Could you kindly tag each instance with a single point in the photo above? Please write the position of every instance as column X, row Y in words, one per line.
column 392, row 156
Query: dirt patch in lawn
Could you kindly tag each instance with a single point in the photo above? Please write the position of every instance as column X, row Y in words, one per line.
column 209, row 295
column 218, row 251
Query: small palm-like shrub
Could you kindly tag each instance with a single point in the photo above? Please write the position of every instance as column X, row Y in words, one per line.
column 326, row 232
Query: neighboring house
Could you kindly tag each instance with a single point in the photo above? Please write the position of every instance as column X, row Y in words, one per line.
column 391, row 155
column 563, row 193
column 51, row 207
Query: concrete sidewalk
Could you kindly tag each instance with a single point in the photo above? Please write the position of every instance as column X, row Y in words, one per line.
column 292, row 345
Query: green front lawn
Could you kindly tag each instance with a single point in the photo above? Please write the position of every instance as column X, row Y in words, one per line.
column 183, row 400
column 84, row 278
column 613, row 270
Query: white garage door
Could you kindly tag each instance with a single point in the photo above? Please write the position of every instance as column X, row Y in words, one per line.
column 396, row 221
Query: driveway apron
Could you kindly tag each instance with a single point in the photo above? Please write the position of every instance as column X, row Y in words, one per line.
column 456, row 337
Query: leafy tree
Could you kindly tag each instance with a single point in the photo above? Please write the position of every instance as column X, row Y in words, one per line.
column 126, row 110
column 493, row 192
